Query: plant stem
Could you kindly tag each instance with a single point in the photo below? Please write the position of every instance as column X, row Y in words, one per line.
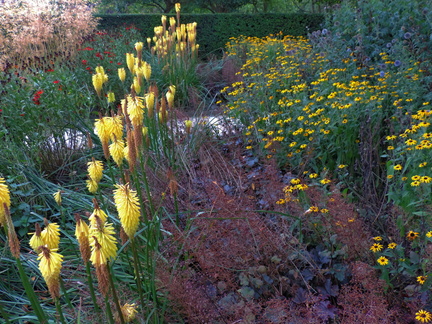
column 65, row 293
column 31, row 294
column 91, row 288
column 59, row 310
column 114, row 293
column 109, row 314
column 137, row 271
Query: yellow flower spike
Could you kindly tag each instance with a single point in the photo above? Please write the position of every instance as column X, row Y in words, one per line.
column 102, row 242
column 188, row 126
column 92, row 185
column 36, row 240
column 170, row 99
column 129, row 312
column 50, row 265
column 177, row 7
column 4, row 200
column 128, row 208
column 136, row 85
column 100, row 70
column 121, row 74
column 97, row 213
column 139, row 47
column 116, row 150
column 98, row 81
column 95, row 170
column 135, row 110
column 150, row 101
column 146, row 70
column 51, row 235
column 130, row 62
column 58, row 197
column 172, row 22
column 82, row 235
column 110, row 97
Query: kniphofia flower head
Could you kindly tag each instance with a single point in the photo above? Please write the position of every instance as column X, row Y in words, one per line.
column 122, row 74
column 135, row 110
column 95, row 170
column 116, row 150
column 82, row 235
column 36, row 240
column 57, row 197
column 102, row 242
column 4, row 200
column 146, row 69
column 97, row 213
column 92, row 185
column 128, row 208
column 129, row 312
column 49, row 266
column 51, row 235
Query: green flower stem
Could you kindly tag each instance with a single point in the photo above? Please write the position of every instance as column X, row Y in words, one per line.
column 137, row 271
column 34, row 301
column 65, row 293
column 59, row 310
column 109, row 314
column 91, row 287
column 114, row 294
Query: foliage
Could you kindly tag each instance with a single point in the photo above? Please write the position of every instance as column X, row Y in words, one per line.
column 214, row 31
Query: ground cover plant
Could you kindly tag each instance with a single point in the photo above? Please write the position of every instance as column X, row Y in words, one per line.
column 307, row 201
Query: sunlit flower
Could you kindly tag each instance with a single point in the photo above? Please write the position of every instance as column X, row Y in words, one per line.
column 127, row 203
column 102, row 242
column 92, row 185
column 129, row 312
column 397, row 167
column 116, row 150
column 412, row 235
column 383, row 260
column 392, row 245
column 36, row 240
column 376, row 247
column 4, row 200
column 429, row 234
column 421, row 279
column 51, row 235
column 49, row 266
column 377, row 238
column 95, row 170
column 58, row 197
column 423, row 316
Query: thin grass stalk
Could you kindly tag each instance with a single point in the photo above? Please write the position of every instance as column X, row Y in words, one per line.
column 65, row 293
column 4, row 315
column 114, row 294
column 59, row 311
column 91, row 287
column 34, row 301
column 137, row 271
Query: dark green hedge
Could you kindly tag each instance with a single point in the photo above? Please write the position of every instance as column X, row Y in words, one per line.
column 214, row 30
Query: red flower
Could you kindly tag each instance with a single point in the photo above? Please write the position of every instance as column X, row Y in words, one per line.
column 88, row 68
column 119, row 63
column 111, row 61
column 50, row 70
column 99, row 55
column 37, row 96
column 56, row 81
column 84, row 62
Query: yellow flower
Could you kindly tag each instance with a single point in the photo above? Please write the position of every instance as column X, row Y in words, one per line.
column 398, row 167
column 51, row 235
column 423, row 316
column 412, row 235
column 377, row 238
column 325, row 181
column 4, row 200
column 376, row 247
column 98, row 81
column 116, row 150
column 36, row 240
column 49, row 266
column 82, row 234
column 92, row 185
column 392, row 245
column 341, row 166
column 102, row 242
column 58, row 197
column 429, row 234
column 102, row 130
column 383, row 260
column 177, row 7
column 129, row 312
column 126, row 201
column 421, row 279
column 135, row 110
column 146, row 70
column 95, row 170
column 110, row 97
column 122, row 74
